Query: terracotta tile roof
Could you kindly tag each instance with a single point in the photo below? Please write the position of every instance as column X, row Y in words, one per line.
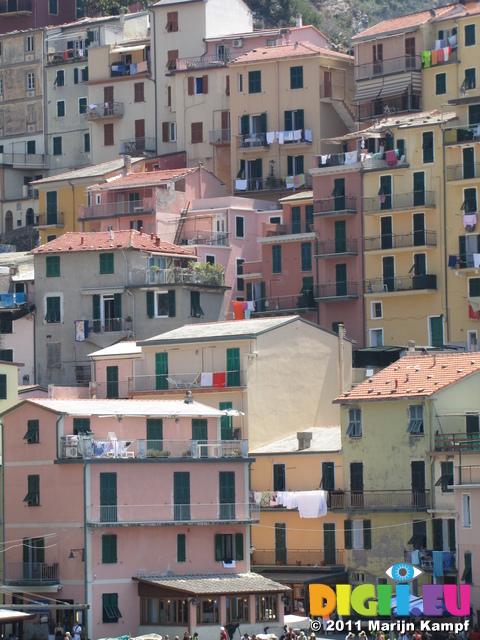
column 415, row 376
column 302, row 195
column 298, row 49
column 92, row 171
column 100, row 241
column 145, row 178
column 217, row 583
column 403, row 22
column 461, row 11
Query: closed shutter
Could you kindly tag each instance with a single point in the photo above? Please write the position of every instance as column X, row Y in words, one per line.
column 451, row 535
column 108, row 138
column 218, row 547
column 181, row 495
column 328, row 476
column 300, row 119
column 249, row 291
column 233, row 367
column 171, row 303
column 205, row 84
column 226, row 422
column 367, row 534
column 112, row 382
column 191, row 86
column 244, row 126
column 139, row 92
column 181, row 547
column 288, row 120
column 348, row 534
column 155, row 434
column 108, row 497
column 161, row 371
column 227, row 495
column 263, row 122
column 150, row 304
column 109, row 549
column 165, row 129
column 117, row 311
column 239, row 546
column 227, row 86
column 289, row 165
column 96, row 313
column 437, row 530
column 75, row 76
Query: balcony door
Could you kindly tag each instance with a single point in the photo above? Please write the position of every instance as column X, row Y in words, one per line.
column 227, row 495
column 161, row 371
column 386, row 232
column 340, row 236
column 356, row 484
column 419, row 270
column 388, row 265
column 473, row 429
column 468, row 162
column 330, row 556
column 340, row 280
column 280, row 543
column 327, row 84
column 181, row 495
column 108, row 101
column 410, row 53
column 377, row 59
column 418, row 484
column 418, row 229
column 33, row 558
column 418, row 189
column 51, row 207
column 139, row 135
column 108, row 497
column 436, row 331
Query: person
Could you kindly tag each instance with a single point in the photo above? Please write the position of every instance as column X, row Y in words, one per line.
column 350, row 636
column 59, row 632
column 290, row 635
column 186, row 635
column 246, row 636
column 77, row 630
column 223, row 634
column 381, row 148
column 195, row 635
column 362, row 635
column 67, row 636
column 313, row 636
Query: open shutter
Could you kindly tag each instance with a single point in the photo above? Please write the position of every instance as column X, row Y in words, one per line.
column 367, row 534
column 348, row 534
column 244, row 125
column 239, row 546
column 117, row 311
column 96, row 313
column 288, row 121
column 300, row 124
column 75, row 75
column 164, row 131
column 227, row 86
column 205, row 84
column 437, row 528
column 263, row 122
column 150, row 304
column 451, row 535
column 85, row 74
column 191, row 86
column 462, row 250
column 289, row 165
column 171, row 303
column 249, row 291
column 218, row 547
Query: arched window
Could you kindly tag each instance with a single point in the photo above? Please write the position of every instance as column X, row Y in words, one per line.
column 9, row 221
column 30, row 217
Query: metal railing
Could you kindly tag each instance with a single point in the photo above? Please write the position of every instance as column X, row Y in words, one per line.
column 336, row 92
column 212, row 513
column 24, row 159
column 457, row 441
column 401, row 283
column 468, row 474
column 332, row 206
column 368, row 161
column 337, row 247
column 66, row 57
column 274, row 304
column 390, row 105
column 465, row 261
column 36, row 572
column 205, row 62
column 104, row 110
column 137, row 145
column 88, row 447
column 249, row 140
column 398, row 201
column 186, row 380
column 380, row 500
column 51, row 219
column 272, row 229
column 390, row 65
column 136, row 207
column 206, row 236
column 219, row 136
column 125, row 69
column 400, row 240
column 258, row 184
column 298, row 557
column 187, row 275
column 336, row 291
column 462, row 133
column 108, row 325
column 17, row 6
column 462, row 171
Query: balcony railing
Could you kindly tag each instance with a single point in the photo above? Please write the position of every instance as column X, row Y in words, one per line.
column 22, row 159
column 7, row 7
column 104, row 110
column 118, row 69
column 385, row 67
column 468, row 474
column 401, row 240
column 273, row 229
column 219, row 136
column 457, row 441
column 249, row 140
column 425, row 560
column 218, row 238
column 405, row 103
column 337, row 291
column 463, row 172
column 180, row 275
column 114, row 209
column 390, row 500
column 462, row 133
column 137, row 145
column 335, row 206
column 392, row 201
column 277, row 304
column 366, row 161
column 336, row 92
column 258, row 184
column 67, row 56
column 53, row 219
column 169, row 513
column 305, row 557
column 31, row 572
column 401, row 283
column 196, row 380
column 344, row 246
column 88, row 447
column 204, row 62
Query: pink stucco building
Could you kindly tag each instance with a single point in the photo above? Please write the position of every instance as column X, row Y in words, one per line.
column 137, row 508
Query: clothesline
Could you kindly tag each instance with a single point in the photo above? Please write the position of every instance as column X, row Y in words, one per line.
column 441, row 53
column 296, row 135
column 310, row 504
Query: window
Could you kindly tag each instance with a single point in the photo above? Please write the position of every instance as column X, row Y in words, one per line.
column 112, row 382
column 161, row 304
column 54, row 355
column 233, row 367
column 354, row 428
column 106, row 263
column 197, row 86
column 240, row 282
column 467, row 571
column 86, row 142
column 294, row 120
column 469, row 35
column 296, row 77
column 427, row 146
column 169, row 131
column 446, row 477
column 52, row 266
column 108, row 137
column 254, row 82
column 228, row 547
column 240, row 82
column 6, row 355
column 279, row 477
column 328, row 476
column 295, row 165
column 419, row 534
column 358, row 534
column 60, row 78
column 376, row 337
column 470, row 80
column 181, row 547
column 51, row 237
column 472, row 341
column 376, row 310
column 197, row 132
column 208, row 611
column 109, row 549
column 466, row 511
column 266, row 608
column 80, row 74
column 306, row 250
column 53, row 7
column 57, row 146
column 227, row 85
column 33, row 494
column 53, row 309
column 80, row 13
column 209, row 259
column 276, row 258
column 239, row 227
column 139, row 92
column 172, row 59
column 81, row 427
column 196, row 310
column 29, row 44
column 172, row 21
column 60, row 108
column 30, row 81
column 164, row 611
column 110, row 610
column 237, row 609
column 82, row 105
column 440, row 84
column 169, row 96
column 33, row 434
column 469, row 204
column 474, row 114
column 415, row 419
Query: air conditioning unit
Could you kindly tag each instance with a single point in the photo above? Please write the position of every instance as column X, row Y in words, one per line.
column 237, row 43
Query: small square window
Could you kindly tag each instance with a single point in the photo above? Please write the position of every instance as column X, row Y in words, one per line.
column 440, row 84
column 254, row 82
column 33, row 433
column 354, row 429
column 415, row 421
column 30, row 81
column 376, row 310
column 296, row 77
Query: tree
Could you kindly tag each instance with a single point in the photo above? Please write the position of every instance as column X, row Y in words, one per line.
column 109, row 7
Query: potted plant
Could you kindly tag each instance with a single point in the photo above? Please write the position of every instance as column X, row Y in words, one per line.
column 185, row 453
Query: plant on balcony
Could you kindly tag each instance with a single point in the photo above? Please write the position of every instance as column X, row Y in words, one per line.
column 206, row 273
column 154, row 453
column 185, row 453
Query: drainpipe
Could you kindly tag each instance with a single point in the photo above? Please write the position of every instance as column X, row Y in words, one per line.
column 445, row 259
column 60, row 417
column 3, row 503
column 153, row 60
column 131, row 295
column 362, row 283
column 73, row 204
column 341, row 358
column 85, row 555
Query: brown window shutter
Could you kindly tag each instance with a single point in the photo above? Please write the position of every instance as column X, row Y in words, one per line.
column 197, row 132
column 172, row 59
column 139, row 92
column 191, row 82
column 205, row 84
column 164, row 131
column 227, row 86
column 108, row 135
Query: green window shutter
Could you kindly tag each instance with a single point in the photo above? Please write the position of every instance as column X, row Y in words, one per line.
column 227, row 495
column 181, row 547
column 109, row 549
column 96, row 313
column 263, row 122
column 309, row 217
column 277, row 259
column 69, row 44
column 262, row 296
column 451, row 535
column 117, row 308
column 85, row 74
column 150, row 304
column 233, row 367
column 288, row 120
column 245, row 125
column 199, row 429
column 328, row 476
column 75, row 76
column 81, row 426
column 306, row 253
column 249, row 291
column 161, row 371
column 440, row 83
column 155, row 434
column 218, row 547
column 300, row 168
column 367, row 534
column 52, row 265
column 239, row 546
column 106, row 263
column 226, row 422
column 300, row 123
column 289, row 164
column 40, row 544
column 462, row 250
column 348, row 534
column 3, row 387
column 171, row 303
column 112, row 382
column 437, row 530
column 26, row 549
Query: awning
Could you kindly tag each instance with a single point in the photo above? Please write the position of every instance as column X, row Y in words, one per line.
column 394, row 85
column 221, row 584
column 51, row 588
column 368, row 90
column 100, row 292
column 306, row 577
column 139, row 47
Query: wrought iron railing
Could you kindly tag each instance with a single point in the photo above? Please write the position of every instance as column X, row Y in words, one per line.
column 104, row 110
column 51, row 219
column 188, row 380
column 299, row 557
column 390, row 65
column 387, row 202
column 401, row 283
column 400, row 240
column 270, row 229
column 331, row 206
column 336, row 290
column 380, row 500
column 135, row 207
column 137, row 145
column 337, row 247
column 35, row 572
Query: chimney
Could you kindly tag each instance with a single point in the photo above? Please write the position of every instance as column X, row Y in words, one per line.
column 152, row 236
column 295, row 45
column 141, row 229
column 411, row 346
column 127, row 163
column 81, row 240
column 111, row 234
column 304, row 440
column 298, row 20
column 157, row 241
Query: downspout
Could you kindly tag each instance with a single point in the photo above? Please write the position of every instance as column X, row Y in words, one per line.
column 85, row 556
column 445, row 261
column 73, row 203
column 132, row 296
column 364, row 309
column 60, row 417
column 3, row 506
column 153, row 61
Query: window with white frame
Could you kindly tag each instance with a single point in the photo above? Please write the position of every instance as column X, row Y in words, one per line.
column 415, row 419
column 466, row 511
column 376, row 310
column 30, row 81
column 53, row 308
column 239, row 227
column 472, row 340
column 209, row 259
column 29, row 44
column 357, row 534
column 376, row 337
column 354, row 429
column 172, row 131
column 60, row 108
column 98, row 198
column 161, row 304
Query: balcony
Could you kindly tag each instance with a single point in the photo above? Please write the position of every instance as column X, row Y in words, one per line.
column 337, row 248
column 463, row 172
column 397, row 284
column 219, row 136
column 34, row 573
column 466, row 261
column 365, row 161
column 187, row 380
column 52, row 219
column 172, row 514
column 104, row 110
column 251, row 141
column 109, row 325
column 89, row 448
column 336, row 292
column 187, row 275
column 468, row 474
column 15, row 8
column 462, row 134
column 298, row 557
column 389, row 202
column 22, row 159
column 206, row 237
column 133, row 146
column 401, row 241
column 204, row 62
column 385, row 67
column 275, row 229
column 277, row 305
column 66, row 56
column 457, row 442
column 390, row 105
column 118, row 209
column 340, row 206
column 426, row 560
column 120, row 70
column 373, row 500
column 272, row 183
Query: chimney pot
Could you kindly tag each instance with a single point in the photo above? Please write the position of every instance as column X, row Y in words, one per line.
column 299, row 20
column 157, row 241
column 304, row 440
column 411, row 345
column 127, row 163
column 141, row 229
